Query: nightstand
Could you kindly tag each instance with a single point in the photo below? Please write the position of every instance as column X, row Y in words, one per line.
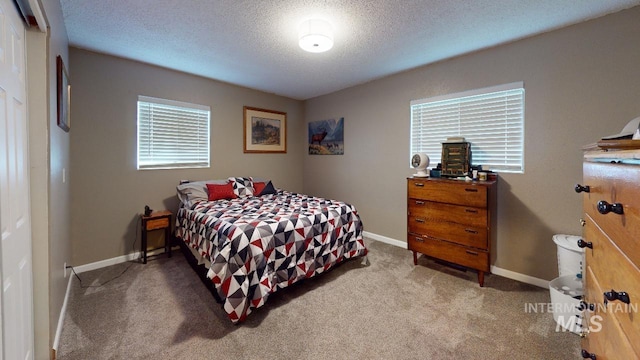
column 158, row 220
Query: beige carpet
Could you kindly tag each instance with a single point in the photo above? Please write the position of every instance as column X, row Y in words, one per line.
column 390, row 309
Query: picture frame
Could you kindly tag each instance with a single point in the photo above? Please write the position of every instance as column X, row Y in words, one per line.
column 265, row 131
column 64, row 95
column 326, row 137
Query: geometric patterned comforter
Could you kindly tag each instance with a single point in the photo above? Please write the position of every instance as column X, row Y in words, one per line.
column 257, row 245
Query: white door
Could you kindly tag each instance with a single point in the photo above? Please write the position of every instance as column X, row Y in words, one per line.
column 16, row 297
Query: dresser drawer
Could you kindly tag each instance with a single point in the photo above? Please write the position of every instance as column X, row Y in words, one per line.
column 157, row 223
column 461, row 255
column 615, row 183
column 471, row 216
column 452, row 192
column 452, row 232
column 605, row 338
column 614, row 271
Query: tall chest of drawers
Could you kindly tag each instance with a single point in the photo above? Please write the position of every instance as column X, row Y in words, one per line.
column 451, row 220
column 611, row 238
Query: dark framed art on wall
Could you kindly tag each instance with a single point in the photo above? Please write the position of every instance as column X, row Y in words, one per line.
column 64, row 95
column 326, row 137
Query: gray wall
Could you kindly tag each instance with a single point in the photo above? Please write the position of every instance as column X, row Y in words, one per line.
column 59, row 162
column 48, row 156
column 581, row 83
column 108, row 192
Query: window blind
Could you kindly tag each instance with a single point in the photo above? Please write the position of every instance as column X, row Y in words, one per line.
column 491, row 119
column 172, row 134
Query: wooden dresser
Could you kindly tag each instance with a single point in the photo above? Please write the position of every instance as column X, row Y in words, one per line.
column 611, row 238
column 451, row 220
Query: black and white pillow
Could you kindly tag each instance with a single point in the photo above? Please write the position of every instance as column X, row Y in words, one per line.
column 242, row 187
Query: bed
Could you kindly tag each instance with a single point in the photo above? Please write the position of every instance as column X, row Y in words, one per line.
column 254, row 239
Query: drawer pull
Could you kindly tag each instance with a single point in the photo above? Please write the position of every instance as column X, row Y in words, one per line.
column 605, row 208
column 418, row 239
column 586, row 306
column 588, row 355
column 419, row 184
column 471, row 231
column 471, row 252
column 420, row 220
column 613, row 296
column 471, row 211
column 471, row 190
column 579, row 188
column 583, row 244
column 418, row 202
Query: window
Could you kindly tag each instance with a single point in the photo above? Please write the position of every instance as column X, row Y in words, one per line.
column 172, row 134
column 491, row 119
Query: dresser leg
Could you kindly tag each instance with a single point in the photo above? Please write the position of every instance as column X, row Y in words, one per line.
column 481, row 278
column 415, row 258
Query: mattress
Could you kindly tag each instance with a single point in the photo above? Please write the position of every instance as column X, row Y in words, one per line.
column 254, row 246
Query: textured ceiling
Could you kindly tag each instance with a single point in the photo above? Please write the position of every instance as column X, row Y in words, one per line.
column 253, row 43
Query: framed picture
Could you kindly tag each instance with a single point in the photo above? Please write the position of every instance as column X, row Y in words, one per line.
column 265, row 131
column 326, row 137
column 64, row 95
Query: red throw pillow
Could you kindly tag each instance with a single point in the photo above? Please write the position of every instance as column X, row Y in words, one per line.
column 217, row 192
column 258, row 187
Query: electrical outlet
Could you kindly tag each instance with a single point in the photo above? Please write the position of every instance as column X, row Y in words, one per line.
column 65, row 270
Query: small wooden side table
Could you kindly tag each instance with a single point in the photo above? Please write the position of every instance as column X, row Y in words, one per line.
column 158, row 220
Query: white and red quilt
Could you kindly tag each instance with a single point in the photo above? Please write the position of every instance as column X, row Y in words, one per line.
column 257, row 245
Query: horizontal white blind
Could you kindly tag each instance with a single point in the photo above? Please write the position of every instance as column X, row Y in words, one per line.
column 172, row 134
column 491, row 119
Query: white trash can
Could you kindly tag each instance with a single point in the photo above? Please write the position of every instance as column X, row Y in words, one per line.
column 569, row 254
column 566, row 292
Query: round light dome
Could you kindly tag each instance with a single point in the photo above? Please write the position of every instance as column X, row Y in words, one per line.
column 315, row 36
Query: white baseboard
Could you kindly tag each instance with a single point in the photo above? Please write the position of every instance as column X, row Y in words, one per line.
column 494, row 269
column 384, row 239
column 117, row 260
column 63, row 311
column 108, row 262
column 520, row 277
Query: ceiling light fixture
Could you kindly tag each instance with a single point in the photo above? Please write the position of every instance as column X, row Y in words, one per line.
column 315, row 35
